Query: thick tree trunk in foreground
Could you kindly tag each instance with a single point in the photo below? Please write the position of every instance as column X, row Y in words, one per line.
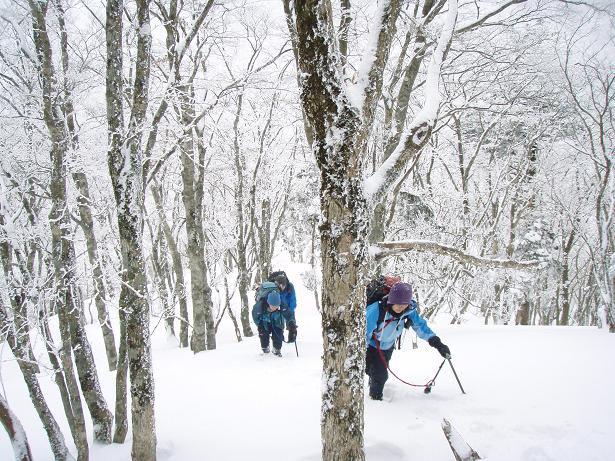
column 339, row 145
column 343, row 236
column 125, row 168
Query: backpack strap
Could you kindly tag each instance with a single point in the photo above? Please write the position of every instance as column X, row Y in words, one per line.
column 382, row 311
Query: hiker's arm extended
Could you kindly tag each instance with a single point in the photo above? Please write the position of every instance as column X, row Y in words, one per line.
column 419, row 324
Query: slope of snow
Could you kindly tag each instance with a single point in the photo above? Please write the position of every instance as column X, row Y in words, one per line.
column 533, row 394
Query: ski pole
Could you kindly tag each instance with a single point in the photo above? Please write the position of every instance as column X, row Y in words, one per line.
column 296, row 350
column 427, row 389
column 456, row 377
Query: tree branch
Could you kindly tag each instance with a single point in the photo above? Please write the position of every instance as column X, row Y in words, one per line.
column 384, row 249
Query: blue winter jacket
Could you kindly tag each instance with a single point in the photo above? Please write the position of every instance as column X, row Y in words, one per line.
column 391, row 328
column 261, row 315
column 288, row 298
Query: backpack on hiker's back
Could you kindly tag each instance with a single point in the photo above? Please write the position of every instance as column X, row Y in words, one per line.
column 261, row 299
column 378, row 288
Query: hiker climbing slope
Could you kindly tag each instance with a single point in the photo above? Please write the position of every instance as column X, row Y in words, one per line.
column 288, row 299
column 269, row 316
column 385, row 321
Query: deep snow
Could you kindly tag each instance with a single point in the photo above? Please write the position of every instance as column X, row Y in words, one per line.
column 533, row 394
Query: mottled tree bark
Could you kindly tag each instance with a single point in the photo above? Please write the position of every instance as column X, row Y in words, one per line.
column 178, row 270
column 54, row 434
column 339, row 145
column 243, row 229
column 15, row 431
column 71, row 326
column 125, row 168
column 343, row 234
column 100, row 293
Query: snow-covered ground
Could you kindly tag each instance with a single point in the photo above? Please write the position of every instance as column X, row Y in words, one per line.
column 533, row 394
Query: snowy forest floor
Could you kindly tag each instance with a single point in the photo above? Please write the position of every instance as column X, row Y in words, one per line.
column 533, row 394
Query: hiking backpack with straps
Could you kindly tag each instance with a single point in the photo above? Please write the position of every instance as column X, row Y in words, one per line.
column 275, row 274
column 261, row 298
column 379, row 288
column 264, row 289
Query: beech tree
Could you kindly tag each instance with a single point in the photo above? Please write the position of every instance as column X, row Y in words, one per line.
column 341, row 116
column 125, row 158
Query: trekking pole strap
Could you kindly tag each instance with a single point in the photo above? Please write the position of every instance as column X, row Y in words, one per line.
column 386, row 364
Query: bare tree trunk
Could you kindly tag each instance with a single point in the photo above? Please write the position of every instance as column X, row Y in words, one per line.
column 15, row 431
column 18, row 301
column 343, row 239
column 243, row 235
column 58, row 373
column 73, row 336
column 180, row 284
column 523, row 313
column 203, row 328
column 345, row 228
column 125, row 168
column 100, row 291
column 565, row 278
column 54, row 434
column 160, row 269
column 264, row 236
column 83, row 200
column 121, row 385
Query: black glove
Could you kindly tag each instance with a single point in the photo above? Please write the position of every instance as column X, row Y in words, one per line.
column 292, row 333
column 407, row 323
column 443, row 349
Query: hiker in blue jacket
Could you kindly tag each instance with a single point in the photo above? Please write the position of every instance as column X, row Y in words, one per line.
column 385, row 321
column 269, row 316
column 287, row 291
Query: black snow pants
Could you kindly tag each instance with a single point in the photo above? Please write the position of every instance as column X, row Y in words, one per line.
column 267, row 329
column 376, row 370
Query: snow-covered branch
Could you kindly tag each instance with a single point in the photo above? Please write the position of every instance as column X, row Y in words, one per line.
column 384, row 249
column 419, row 130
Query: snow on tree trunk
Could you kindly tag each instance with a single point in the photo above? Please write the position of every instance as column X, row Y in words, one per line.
column 203, row 329
column 242, row 238
column 125, row 168
column 83, row 199
column 339, row 145
column 343, row 235
column 62, row 247
column 178, row 270
column 54, row 434
column 100, row 292
column 15, row 431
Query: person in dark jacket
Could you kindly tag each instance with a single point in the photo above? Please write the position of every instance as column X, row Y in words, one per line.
column 385, row 321
column 287, row 292
column 288, row 299
column 269, row 316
